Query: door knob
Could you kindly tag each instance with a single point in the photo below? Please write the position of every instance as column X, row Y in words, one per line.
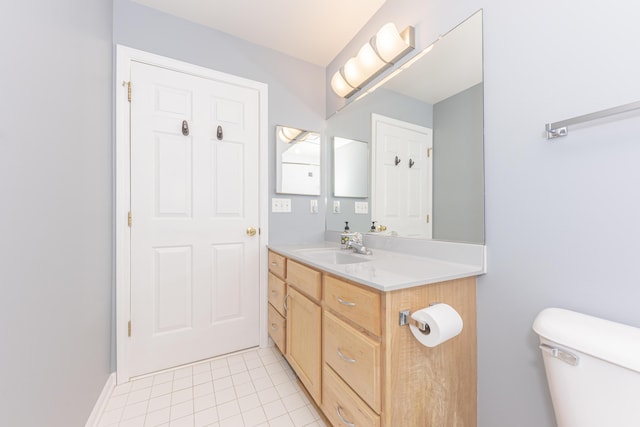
column 251, row 231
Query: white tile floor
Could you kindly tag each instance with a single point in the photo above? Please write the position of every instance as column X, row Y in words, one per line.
column 252, row 388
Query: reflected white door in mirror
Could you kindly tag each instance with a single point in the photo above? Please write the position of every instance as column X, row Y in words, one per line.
column 402, row 177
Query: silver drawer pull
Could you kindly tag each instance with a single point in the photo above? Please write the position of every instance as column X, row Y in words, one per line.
column 274, row 326
column 274, row 264
column 347, row 303
column 274, row 292
column 284, row 303
column 345, row 358
column 350, row 424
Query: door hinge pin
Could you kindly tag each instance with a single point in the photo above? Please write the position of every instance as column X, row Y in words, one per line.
column 429, row 152
column 428, row 218
column 129, row 219
column 129, row 328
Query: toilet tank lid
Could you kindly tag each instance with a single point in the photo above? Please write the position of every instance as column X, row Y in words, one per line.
column 604, row 339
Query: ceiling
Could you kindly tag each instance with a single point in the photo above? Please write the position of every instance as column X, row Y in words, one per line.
column 312, row 30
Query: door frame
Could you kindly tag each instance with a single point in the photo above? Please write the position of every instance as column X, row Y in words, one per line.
column 125, row 56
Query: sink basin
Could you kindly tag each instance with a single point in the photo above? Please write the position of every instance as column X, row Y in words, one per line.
column 335, row 256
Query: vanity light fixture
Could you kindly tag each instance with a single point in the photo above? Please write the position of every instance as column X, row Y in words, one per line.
column 382, row 51
column 396, row 72
column 288, row 134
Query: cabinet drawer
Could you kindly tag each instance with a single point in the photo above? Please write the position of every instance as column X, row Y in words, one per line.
column 277, row 328
column 277, row 291
column 342, row 406
column 355, row 357
column 355, row 303
column 304, row 278
column 277, row 264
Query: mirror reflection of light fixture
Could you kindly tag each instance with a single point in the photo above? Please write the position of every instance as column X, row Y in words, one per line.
column 288, row 134
column 385, row 48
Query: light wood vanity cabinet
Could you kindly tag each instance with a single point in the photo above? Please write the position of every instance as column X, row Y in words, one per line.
column 370, row 370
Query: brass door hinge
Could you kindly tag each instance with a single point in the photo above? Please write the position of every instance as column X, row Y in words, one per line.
column 429, row 151
column 129, row 91
column 129, row 328
column 428, row 218
column 129, row 219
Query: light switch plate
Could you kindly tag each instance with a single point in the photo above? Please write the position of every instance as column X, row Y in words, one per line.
column 336, row 206
column 361, row 207
column 280, row 205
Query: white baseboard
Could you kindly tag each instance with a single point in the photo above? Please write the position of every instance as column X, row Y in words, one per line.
column 101, row 403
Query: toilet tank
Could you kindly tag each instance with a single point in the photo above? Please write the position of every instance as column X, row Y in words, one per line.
column 592, row 367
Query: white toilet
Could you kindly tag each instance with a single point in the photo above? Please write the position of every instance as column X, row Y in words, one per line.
column 593, row 369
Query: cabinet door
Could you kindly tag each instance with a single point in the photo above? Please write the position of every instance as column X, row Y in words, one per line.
column 303, row 340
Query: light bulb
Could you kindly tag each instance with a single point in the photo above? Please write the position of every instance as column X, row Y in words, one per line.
column 340, row 86
column 353, row 73
column 388, row 42
column 369, row 61
column 289, row 134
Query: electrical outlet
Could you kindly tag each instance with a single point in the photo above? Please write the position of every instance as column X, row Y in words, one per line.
column 313, row 206
column 361, row 208
column 336, row 206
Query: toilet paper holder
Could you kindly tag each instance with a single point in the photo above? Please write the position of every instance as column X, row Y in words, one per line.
column 406, row 319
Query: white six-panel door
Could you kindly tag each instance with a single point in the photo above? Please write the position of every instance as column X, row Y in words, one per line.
column 401, row 176
column 194, row 268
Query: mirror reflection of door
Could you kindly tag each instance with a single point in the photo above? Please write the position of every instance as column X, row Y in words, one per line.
column 402, row 177
column 298, row 161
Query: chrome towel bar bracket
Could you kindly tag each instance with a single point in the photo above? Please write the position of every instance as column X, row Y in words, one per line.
column 558, row 129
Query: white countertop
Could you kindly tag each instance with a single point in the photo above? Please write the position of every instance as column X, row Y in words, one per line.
column 383, row 270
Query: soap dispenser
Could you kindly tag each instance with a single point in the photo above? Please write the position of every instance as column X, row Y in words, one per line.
column 345, row 236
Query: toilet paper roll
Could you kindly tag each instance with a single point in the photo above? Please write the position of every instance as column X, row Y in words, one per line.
column 444, row 323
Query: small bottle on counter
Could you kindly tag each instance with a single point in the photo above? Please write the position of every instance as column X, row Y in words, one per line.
column 345, row 236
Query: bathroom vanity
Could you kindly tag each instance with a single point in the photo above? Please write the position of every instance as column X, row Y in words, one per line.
column 335, row 317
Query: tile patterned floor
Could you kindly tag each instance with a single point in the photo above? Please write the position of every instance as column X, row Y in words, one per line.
column 255, row 388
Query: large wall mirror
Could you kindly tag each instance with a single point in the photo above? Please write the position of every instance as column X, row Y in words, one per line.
column 298, row 161
column 441, row 90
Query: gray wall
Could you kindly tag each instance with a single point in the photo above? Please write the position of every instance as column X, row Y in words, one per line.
column 561, row 217
column 458, row 175
column 56, row 221
column 296, row 89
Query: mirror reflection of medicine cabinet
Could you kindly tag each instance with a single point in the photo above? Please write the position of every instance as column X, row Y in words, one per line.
column 298, row 161
column 350, row 168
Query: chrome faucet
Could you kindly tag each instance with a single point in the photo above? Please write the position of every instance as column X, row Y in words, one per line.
column 358, row 248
